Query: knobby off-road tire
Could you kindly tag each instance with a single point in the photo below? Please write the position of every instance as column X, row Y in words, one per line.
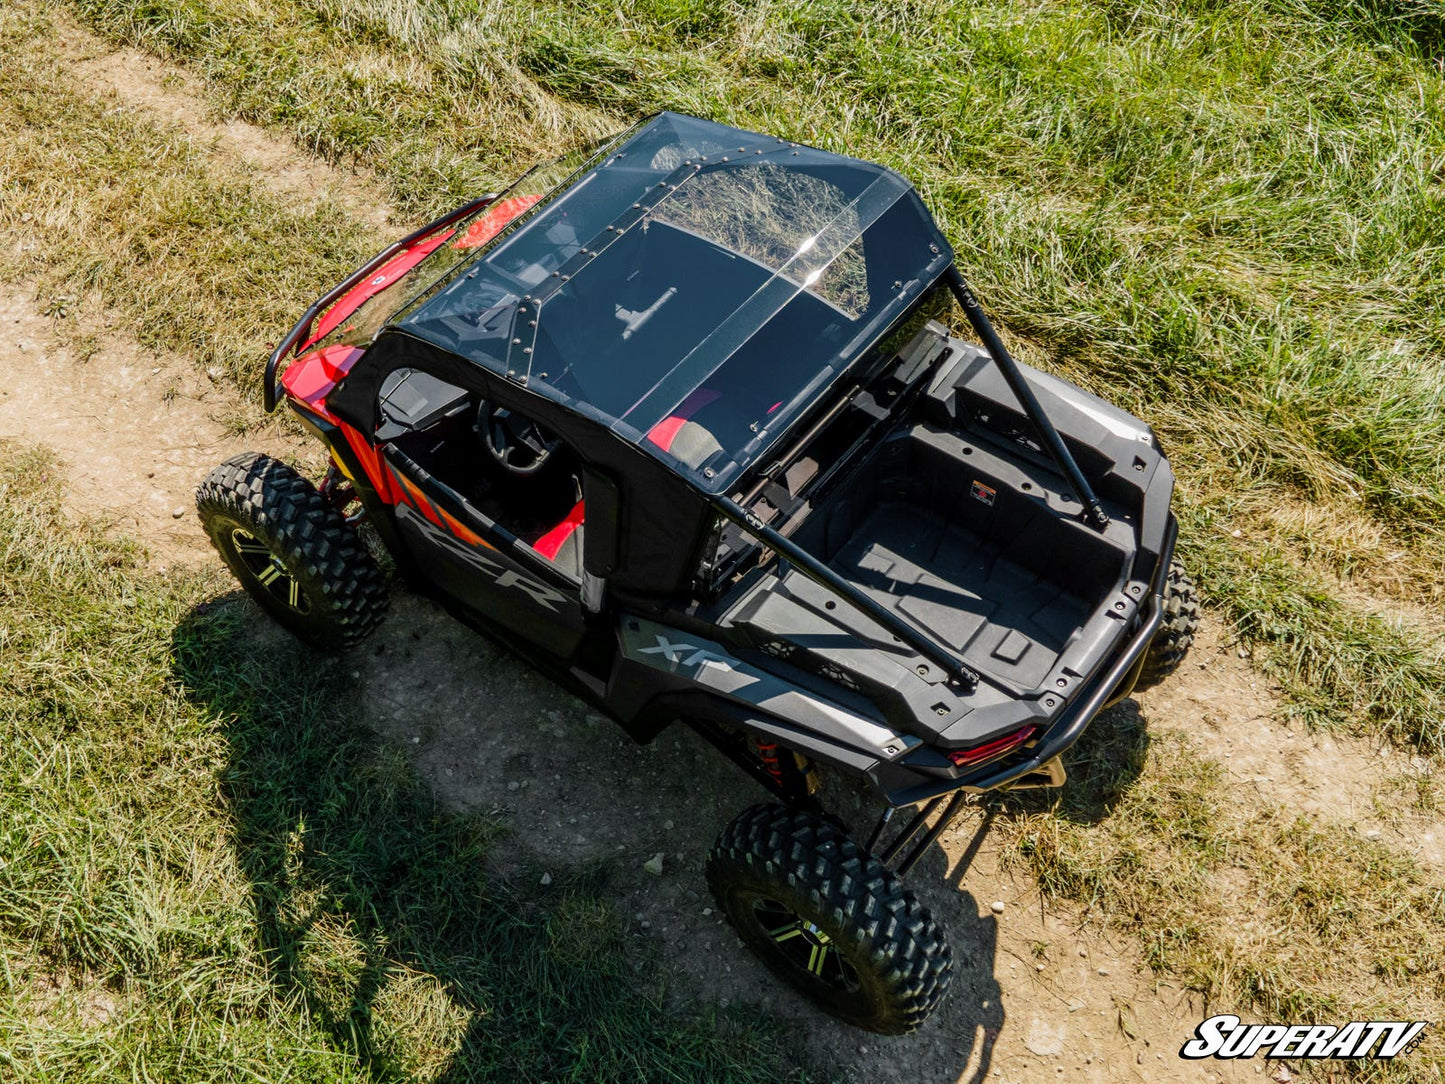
column 292, row 551
column 1176, row 630
column 827, row 917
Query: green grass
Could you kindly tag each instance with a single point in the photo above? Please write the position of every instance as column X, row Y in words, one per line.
column 202, row 848
column 205, row 260
column 1256, row 907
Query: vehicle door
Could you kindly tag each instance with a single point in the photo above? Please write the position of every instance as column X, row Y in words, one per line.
column 462, row 551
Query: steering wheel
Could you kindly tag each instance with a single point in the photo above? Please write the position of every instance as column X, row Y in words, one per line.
column 517, row 443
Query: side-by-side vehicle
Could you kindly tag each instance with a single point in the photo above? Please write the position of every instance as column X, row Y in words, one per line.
column 673, row 419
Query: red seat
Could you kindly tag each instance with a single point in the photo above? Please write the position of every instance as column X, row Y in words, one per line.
column 562, row 545
column 683, row 437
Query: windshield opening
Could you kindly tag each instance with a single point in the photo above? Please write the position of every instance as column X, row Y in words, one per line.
column 420, row 268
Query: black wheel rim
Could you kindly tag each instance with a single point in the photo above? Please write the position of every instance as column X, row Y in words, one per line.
column 268, row 571
column 802, row 945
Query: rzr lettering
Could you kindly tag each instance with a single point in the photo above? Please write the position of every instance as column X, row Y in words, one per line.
column 675, row 653
column 537, row 591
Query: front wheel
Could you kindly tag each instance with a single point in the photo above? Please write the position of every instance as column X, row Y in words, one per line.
column 292, row 551
column 828, row 918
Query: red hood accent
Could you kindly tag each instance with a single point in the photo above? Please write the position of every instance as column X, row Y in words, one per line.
column 310, row 378
column 487, row 226
column 388, row 273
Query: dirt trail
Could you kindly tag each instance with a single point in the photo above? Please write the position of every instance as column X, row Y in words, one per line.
column 1368, row 786
column 1036, row 997
column 135, row 430
column 168, row 93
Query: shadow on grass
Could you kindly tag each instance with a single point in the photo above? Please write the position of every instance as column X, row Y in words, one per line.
column 378, row 907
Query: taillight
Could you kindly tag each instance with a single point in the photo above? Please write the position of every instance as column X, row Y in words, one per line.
column 966, row 758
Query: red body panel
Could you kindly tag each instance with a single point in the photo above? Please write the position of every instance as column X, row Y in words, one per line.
column 390, row 271
column 381, row 479
column 492, row 223
column 309, row 379
column 482, row 230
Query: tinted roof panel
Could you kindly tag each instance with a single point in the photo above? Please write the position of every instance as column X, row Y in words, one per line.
column 694, row 278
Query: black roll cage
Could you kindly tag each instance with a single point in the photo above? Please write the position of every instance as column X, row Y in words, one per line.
column 911, row 635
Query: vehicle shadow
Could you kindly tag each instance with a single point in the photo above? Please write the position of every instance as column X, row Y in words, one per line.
column 1102, row 766
column 416, row 935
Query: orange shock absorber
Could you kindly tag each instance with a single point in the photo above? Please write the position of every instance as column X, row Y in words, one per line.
column 768, row 753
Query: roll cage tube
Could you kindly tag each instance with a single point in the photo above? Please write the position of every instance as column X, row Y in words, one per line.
column 1093, row 510
column 298, row 333
column 821, row 574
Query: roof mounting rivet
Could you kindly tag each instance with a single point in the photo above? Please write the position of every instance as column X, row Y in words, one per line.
column 542, row 376
column 566, row 278
column 757, row 152
column 516, row 342
column 511, row 372
column 725, row 158
column 526, row 297
column 526, row 349
column 531, row 323
column 555, row 273
column 742, row 150
column 611, row 228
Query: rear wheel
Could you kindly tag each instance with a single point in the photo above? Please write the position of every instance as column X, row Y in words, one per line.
column 1176, row 630
column 827, row 917
column 292, row 551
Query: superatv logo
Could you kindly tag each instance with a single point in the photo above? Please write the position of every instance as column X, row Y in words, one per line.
column 1225, row 1037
